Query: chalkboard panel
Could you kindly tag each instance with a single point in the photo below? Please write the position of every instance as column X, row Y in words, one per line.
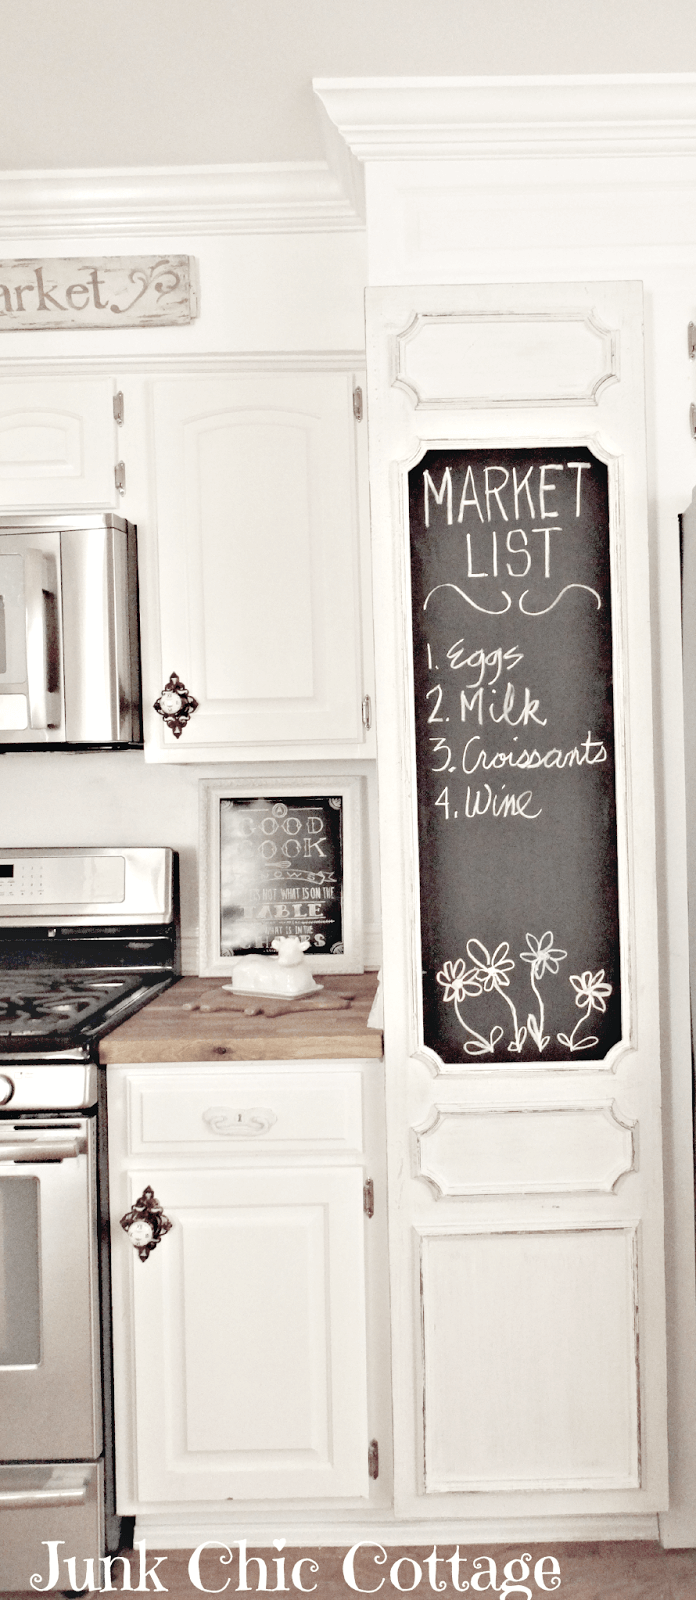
column 281, row 872
column 514, row 723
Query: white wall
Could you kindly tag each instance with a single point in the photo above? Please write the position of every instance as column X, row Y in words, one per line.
column 85, row 84
column 113, row 798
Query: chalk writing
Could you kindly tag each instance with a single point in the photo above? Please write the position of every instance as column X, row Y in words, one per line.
column 266, row 888
column 512, row 649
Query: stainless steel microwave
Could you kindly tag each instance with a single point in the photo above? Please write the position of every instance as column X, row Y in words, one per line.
column 69, row 643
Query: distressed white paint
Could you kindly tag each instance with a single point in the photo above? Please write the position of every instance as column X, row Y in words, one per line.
column 97, row 292
column 508, row 359
column 530, row 1359
column 602, row 191
column 315, row 1112
column 399, row 432
column 500, row 1149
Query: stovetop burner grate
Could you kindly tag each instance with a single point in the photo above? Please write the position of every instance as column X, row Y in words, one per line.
column 45, row 1006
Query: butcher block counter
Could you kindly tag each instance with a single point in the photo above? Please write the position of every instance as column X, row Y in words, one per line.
column 198, row 1020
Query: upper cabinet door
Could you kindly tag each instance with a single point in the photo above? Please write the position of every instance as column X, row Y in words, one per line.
column 259, row 565
column 57, row 445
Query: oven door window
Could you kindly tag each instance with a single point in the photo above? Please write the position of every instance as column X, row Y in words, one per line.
column 20, row 1295
column 50, row 1401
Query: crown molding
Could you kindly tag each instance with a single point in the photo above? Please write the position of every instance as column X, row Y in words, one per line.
column 412, row 119
column 160, row 364
column 273, row 197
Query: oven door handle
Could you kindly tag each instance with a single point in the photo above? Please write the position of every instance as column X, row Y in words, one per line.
column 28, row 1499
column 38, row 1149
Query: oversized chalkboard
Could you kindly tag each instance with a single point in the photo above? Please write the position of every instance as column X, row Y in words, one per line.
column 281, row 872
column 514, row 719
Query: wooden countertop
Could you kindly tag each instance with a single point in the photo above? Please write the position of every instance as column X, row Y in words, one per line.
column 198, row 1020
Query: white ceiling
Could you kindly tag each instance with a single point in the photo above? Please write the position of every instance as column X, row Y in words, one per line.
column 94, row 83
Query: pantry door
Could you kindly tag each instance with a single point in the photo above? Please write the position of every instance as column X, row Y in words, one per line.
column 508, row 494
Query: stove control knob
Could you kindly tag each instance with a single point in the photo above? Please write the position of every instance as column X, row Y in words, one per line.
column 7, row 1089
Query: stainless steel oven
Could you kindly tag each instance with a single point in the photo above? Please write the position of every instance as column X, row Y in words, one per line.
column 69, row 643
column 86, row 937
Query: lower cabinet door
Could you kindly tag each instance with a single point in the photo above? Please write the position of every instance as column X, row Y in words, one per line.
column 249, row 1337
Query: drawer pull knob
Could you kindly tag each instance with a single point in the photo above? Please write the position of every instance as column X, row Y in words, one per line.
column 145, row 1223
column 239, row 1124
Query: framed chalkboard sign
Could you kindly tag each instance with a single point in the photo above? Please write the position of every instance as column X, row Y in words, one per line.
column 281, row 857
column 511, row 592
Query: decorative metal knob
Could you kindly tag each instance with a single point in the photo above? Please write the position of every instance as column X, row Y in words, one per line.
column 175, row 705
column 145, row 1223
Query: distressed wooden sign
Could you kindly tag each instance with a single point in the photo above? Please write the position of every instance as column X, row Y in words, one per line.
column 97, row 292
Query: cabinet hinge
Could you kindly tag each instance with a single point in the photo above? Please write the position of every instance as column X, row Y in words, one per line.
column 358, row 404
column 373, row 1459
column 692, row 340
column 369, row 1198
column 367, row 712
column 120, row 476
column 692, row 420
column 118, row 408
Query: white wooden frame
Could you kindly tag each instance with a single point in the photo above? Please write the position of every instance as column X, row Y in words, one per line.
column 212, row 790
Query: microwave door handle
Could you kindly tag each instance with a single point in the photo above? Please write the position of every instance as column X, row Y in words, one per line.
column 36, row 1150
column 42, row 640
column 37, row 664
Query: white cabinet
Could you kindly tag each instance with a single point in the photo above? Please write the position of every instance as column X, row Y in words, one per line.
column 240, row 1344
column 58, row 445
column 262, row 581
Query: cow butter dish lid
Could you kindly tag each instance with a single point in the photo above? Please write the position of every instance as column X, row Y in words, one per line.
column 286, row 974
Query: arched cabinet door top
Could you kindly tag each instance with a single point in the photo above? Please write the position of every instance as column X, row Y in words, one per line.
column 57, row 444
column 260, row 566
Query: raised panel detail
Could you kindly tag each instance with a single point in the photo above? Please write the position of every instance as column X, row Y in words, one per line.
column 233, row 1404
column 249, row 494
column 321, row 1111
column 259, row 566
column 249, row 1330
column 504, row 1150
column 530, row 1359
column 513, row 359
column 40, row 445
column 57, row 444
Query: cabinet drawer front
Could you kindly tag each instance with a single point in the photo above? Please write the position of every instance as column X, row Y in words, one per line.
column 231, row 1112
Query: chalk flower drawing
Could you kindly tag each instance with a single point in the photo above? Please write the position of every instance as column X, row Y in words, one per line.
column 542, row 957
column 591, row 995
column 457, row 984
column 491, row 974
